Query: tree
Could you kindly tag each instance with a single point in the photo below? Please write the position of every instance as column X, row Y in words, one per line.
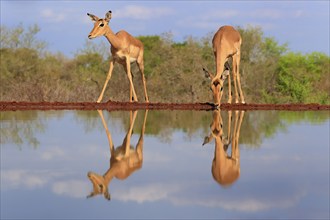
column 20, row 38
column 299, row 76
column 259, row 61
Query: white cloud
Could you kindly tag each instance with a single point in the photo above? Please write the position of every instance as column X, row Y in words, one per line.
column 141, row 12
column 52, row 16
column 71, row 188
column 209, row 20
column 274, row 14
column 25, row 178
column 148, row 193
column 242, row 204
column 247, row 204
column 179, row 194
column 52, row 153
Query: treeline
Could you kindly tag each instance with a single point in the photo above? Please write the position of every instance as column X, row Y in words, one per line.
column 270, row 73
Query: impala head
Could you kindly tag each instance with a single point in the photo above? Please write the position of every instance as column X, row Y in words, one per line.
column 216, row 85
column 100, row 25
column 99, row 185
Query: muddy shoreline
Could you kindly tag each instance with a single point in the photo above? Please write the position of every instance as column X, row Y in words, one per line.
column 116, row 106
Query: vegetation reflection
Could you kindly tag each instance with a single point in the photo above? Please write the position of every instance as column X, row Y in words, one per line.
column 225, row 167
column 124, row 159
column 23, row 128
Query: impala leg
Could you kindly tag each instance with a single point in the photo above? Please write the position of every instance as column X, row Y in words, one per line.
column 141, row 67
column 234, row 145
column 235, row 75
column 229, row 89
column 107, row 131
column 127, row 140
column 130, row 88
column 237, row 134
column 240, row 123
column 229, row 126
column 130, row 93
column 239, row 78
column 220, row 61
column 139, row 145
column 106, row 81
column 129, row 75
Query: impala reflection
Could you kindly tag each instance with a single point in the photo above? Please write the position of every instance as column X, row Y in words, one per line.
column 124, row 160
column 225, row 166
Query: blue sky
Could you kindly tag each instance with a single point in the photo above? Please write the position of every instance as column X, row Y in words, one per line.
column 304, row 25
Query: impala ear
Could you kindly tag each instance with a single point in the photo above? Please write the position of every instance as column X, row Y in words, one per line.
column 207, row 139
column 208, row 74
column 91, row 195
column 108, row 16
column 93, row 17
column 107, row 195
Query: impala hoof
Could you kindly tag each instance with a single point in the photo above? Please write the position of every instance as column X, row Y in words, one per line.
column 216, row 106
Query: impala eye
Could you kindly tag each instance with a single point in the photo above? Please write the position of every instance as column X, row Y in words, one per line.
column 101, row 25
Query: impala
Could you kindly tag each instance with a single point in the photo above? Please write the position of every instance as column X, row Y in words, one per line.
column 226, row 43
column 125, row 49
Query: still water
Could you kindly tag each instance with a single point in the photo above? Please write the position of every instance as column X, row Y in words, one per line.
column 164, row 164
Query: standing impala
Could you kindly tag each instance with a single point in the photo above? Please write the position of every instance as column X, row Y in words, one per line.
column 124, row 49
column 227, row 43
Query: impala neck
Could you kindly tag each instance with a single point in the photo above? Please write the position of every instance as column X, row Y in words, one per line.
column 108, row 176
column 112, row 38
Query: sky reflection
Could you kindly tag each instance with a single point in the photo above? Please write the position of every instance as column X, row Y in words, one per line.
column 286, row 175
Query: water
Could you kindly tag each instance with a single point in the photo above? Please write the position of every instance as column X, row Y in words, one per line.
column 272, row 164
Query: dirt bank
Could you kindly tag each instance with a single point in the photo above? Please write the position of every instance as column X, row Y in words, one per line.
column 112, row 106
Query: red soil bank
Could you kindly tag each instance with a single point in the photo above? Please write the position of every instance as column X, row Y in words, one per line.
column 113, row 106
